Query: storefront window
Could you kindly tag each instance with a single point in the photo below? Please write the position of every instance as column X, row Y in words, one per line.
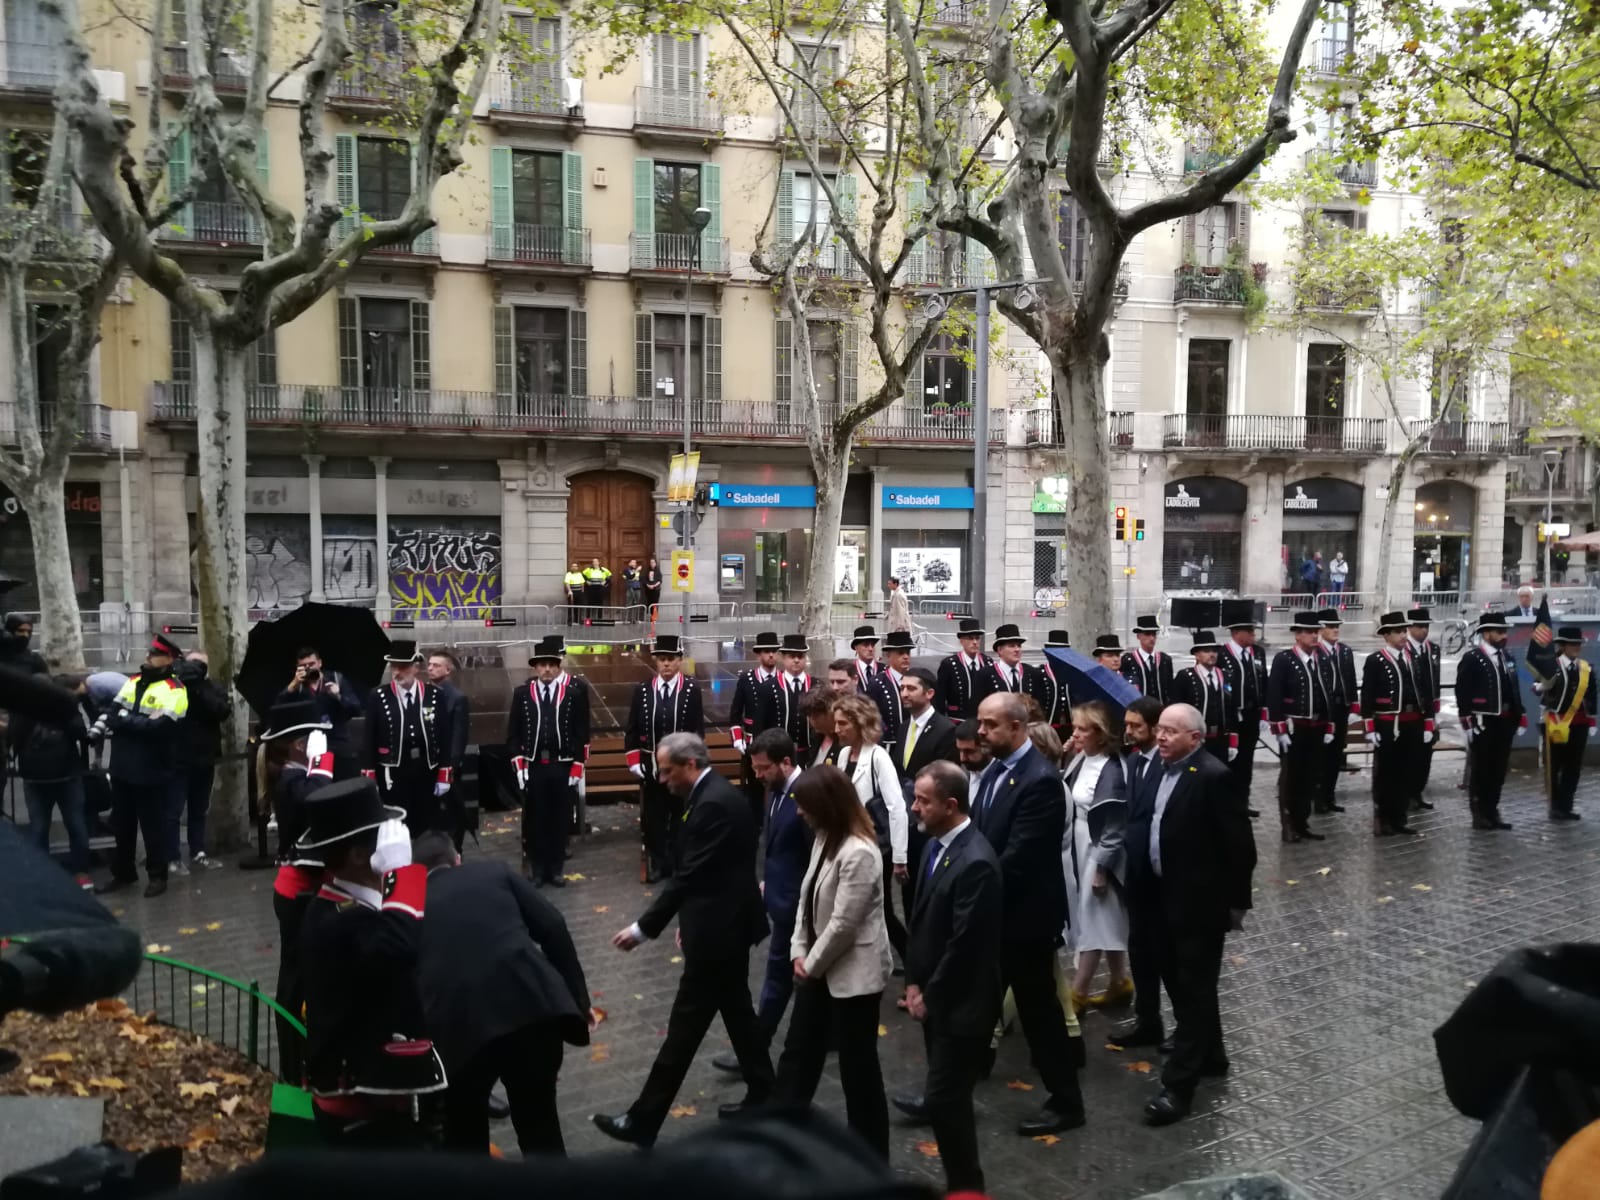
column 1442, row 550
column 1321, row 536
column 1049, row 560
column 83, row 541
column 1203, row 545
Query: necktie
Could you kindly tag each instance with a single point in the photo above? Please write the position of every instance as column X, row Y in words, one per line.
column 985, row 788
column 406, row 699
column 936, row 852
column 911, row 741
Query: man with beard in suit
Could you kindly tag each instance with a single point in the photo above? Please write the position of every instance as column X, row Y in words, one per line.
column 930, row 737
column 1191, row 854
column 669, row 703
column 718, row 905
column 1145, row 667
column 502, row 989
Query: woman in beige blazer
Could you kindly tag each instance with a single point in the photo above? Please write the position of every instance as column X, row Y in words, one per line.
column 841, row 957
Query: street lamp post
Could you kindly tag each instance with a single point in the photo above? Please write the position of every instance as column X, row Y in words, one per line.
column 700, row 218
column 1552, row 459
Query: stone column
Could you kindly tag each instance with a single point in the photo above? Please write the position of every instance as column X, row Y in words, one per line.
column 168, row 524
column 314, row 521
column 1261, row 571
column 513, row 535
column 380, row 466
column 875, row 569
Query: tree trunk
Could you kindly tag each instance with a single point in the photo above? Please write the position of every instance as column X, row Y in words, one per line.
column 816, row 610
column 219, row 383
column 60, row 631
column 1391, row 506
column 1081, row 406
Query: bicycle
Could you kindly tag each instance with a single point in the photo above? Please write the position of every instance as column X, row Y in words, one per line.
column 1454, row 636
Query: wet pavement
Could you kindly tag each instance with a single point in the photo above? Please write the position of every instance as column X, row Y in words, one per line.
column 1355, row 951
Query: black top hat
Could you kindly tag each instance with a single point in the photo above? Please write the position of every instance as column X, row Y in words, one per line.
column 1569, row 635
column 969, row 627
column 1204, row 639
column 1107, row 643
column 1329, row 618
column 1005, row 634
column 162, row 644
column 552, row 646
column 1304, row 622
column 1390, row 621
column 1492, row 620
column 401, row 651
column 1057, row 638
column 293, row 716
column 863, row 633
column 342, row 810
column 667, row 644
column 1146, row 624
column 795, row 643
column 765, row 641
column 899, row 639
column 1239, row 614
column 1417, row 616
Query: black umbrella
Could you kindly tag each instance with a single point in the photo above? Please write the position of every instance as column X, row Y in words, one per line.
column 349, row 639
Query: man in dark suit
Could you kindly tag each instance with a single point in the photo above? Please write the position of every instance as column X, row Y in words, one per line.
column 457, row 716
column 1051, row 693
column 548, row 733
column 337, row 700
column 786, row 843
column 718, row 905
column 953, row 970
column 1190, row 854
column 1425, row 657
column 1017, row 806
column 669, row 703
column 930, row 737
column 1245, row 672
column 884, row 688
column 1300, row 704
column 502, row 989
column 781, row 700
column 406, row 748
column 744, row 710
column 1204, row 686
column 1346, row 697
column 1489, row 701
column 1139, row 725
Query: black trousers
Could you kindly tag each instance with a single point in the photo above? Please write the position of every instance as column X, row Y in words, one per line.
column 1488, row 757
column 595, row 596
column 1145, row 937
column 1244, row 767
column 141, row 809
column 410, row 787
column 1418, row 767
column 1566, row 765
column 291, row 993
column 1302, row 774
column 529, row 1060
column 753, row 789
column 382, row 1130
column 1400, row 742
column 707, row 988
column 897, row 931
column 1333, row 759
column 657, row 807
column 546, row 817
column 954, row 1064
column 1029, row 971
column 915, row 842
column 851, row 1023
column 1191, row 963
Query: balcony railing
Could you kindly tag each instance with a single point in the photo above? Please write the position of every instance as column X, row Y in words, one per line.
column 1208, row 285
column 674, row 252
column 425, row 245
column 958, row 12
column 1200, row 155
column 373, row 83
column 1357, row 172
column 94, row 424
column 62, row 235
column 533, row 93
column 29, row 66
column 229, row 73
column 215, row 223
column 927, row 270
column 674, row 108
column 811, row 120
column 1533, row 487
column 548, row 245
column 1330, row 54
column 1469, row 438
column 1043, row 429
column 1353, row 295
column 596, row 416
column 1253, row 431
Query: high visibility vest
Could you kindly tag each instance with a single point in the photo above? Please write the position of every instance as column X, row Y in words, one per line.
column 597, row 574
column 573, row 579
column 163, row 697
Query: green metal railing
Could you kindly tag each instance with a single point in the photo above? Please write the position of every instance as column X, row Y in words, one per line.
column 219, row 1009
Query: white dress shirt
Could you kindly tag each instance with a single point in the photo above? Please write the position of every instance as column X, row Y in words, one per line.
column 1164, row 790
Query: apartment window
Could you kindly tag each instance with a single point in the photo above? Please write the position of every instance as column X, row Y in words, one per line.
column 25, row 153
column 1338, row 25
column 1215, row 231
column 383, row 167
column 538, row 188
column 1208, row 377
column 1447, row 387
column 670, row 355
column 541, row 351
column 539, row 44
column 261, row 368
column 33, row 45
column 384, row 356
column 386, row 344
column 812, row 209
column 834, row 356
column 660, row 353
column 376, row 33
column 677, row 64
column 677, row 196
column 820, row 65
column 1074, row 232
column 51, row 334
column 1325, row 380
column 947, row 373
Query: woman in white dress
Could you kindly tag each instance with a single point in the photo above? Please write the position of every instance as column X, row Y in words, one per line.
column 858, row 728
column 1098, row 790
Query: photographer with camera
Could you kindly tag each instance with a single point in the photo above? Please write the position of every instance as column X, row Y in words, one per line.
column 335, row 699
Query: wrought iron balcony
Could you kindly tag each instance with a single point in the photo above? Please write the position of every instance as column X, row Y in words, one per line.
column 536, row 96
column 214, row 223
column 1354, row 295
column 539, row 246
column 679, row 253
column 662, row 109
column 1357, row 172
column 230, row 72
column 59, row 236
column 373, row 83
column 958, row 12
column 1469, row 439
column 1044, row 430
column 1331, row 55
column 93, row 432
column 1253, row 432
column 1208, row 285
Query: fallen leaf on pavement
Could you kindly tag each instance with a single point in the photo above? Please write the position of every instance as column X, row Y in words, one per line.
column 1114, row 1048
column 1324, row 870
column 1018, row 1085
column 130, row 1032
column 228, row 1105
column 156, row 948
column 193, row 1091
column 930, row 1149
column 684, row 1110
column 1422, row 887
column 1340, row 933
column 602, row 908
column 40, row 1081
column 1141, row 1067
column 1291, row 882
column 202, row 1136
column 1237, row 960
column 599, row 1014
column 676, row 958
column 573, row 878
column 1047, row 1139
column 599, row 1052
column 228, row 1078
column 883, row 1031
column 213, row 926
column 112, row 1008
column 1385, row 899
column 187, row 931
column 638, row 996
column 79, row 1090
column 110, row 1082
column 60, row 1056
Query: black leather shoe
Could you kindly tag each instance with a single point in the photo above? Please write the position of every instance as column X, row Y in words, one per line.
column 113, row 885
column 622, row 1128
column 157, row 887
column 1050, row 1121
column 1334, row 808
column 1166, row 1109
column 1254, row 812
column 1497, row 823
column 1168, row 1044
column 728, row 1062
column 1407, row 831
column 1216, row 1068
column 556, row 881
column 740, row 1108
column 1132, row 1033
column 1425, row 805
column 912, row 1106
column 1307, row 835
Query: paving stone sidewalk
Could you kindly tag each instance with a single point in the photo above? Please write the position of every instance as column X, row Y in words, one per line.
column 1355, row 951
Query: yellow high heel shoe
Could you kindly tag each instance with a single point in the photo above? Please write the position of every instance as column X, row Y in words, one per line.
column 1079, row 1001
column 1114, row 996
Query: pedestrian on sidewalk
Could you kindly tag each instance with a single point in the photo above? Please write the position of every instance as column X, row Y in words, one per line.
column 209, row 708
column 52, row 760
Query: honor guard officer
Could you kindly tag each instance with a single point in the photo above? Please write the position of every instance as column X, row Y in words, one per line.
column 548, row 733
column 1391, row 707
column 885, row 688
column 782, row 701
column 1425, row 658
column 1568, row 701
column 1108, row 652
column 1300, row 707
column 1051, row 692
column 961, row 674
column 1204, row 686
column 1489, row 701
column 864, row 645
column 1245, row 674
column 406, row 749
column 1007, row 672
column 1147, row 668
column 744, row 711
column 1346, row 695
column 669, row 703
column 368, row 1065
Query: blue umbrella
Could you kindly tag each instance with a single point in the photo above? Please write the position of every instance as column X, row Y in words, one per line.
column 1087, row 680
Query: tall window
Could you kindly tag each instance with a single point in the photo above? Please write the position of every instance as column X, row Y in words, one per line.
column 1215, row 231
column 537, row 188
column 677, row 196
column 825, row 361
column 946, row 375
column 1448, row 383
column 50, row 337
column 1325, row 380
column 669, row 349
column 811, row 207
column 677, row 64
column 377, row 34
column 386, row 345
column 1331, row 127
column 1074, row 230
column 820, row 64
column 1208, row 377
column 384, row 172
column 541, row 351
column 1338, row 27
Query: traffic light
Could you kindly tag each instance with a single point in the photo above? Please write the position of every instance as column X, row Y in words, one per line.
column 1138, row 530
column 1120, row 518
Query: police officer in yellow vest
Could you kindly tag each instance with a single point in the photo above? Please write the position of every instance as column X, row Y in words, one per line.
column 143, row 724
column 573, row 582
column 596, row 586
column 1568, row 700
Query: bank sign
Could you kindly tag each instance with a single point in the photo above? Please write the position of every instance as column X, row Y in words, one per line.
column 750, row 495
column 907, row 497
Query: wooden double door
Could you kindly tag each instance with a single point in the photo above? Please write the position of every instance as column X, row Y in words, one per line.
column 610, row 516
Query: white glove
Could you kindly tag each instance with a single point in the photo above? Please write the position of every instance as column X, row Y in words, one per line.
column 1284, row 742
column 1327, row 739
column 1373, row 737
column 737, row 738
column 440, row 789
column 1233, row 753
column 574, row 780
column 394, row 847
column 316, row 745
column 1429, row 736
column 1355, row 717
column 1472, row 733
column 1266, row 730
column 636, row 771
column 1538, row 688
column 520, row 764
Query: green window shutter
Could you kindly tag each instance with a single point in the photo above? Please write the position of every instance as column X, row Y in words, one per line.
column 785, row 212
column 263, row 160
column 421, row 373
column 644, row 356
column 915, row 387
column 849, row 356
column 572, row 207
column 972, row 372
column 577, row 353
column 644, row 216
column 265, row 359
column 178, row 159
column 783, row 366
column 711, row 389
column 1191, row 234
column 916, row 203
column 711, row 236
column 500, row 232
column 505, row 355
column 350, row 351
column 844, row 189
column 345, row 191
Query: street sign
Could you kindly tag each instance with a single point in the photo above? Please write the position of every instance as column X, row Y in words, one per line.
column 683, row 570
